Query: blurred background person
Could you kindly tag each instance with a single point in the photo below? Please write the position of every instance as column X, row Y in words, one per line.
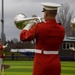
column 1, row 54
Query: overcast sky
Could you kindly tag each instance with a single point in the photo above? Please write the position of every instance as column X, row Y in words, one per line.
column 27, row 7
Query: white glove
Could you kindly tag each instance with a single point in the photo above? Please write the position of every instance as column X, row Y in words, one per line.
column 30, row 25
column 5, row 45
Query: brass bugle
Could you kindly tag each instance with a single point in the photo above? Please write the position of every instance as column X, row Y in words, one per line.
column 21, row 20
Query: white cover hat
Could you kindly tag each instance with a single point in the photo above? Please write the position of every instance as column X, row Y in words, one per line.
column 50, row 6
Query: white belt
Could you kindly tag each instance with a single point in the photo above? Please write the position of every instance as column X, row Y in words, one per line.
column 46, row 52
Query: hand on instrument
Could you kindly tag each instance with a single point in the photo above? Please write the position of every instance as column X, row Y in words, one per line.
column 30, row 24
column 5, row 45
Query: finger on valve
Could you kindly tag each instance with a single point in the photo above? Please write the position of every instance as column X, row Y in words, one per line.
column 33, row 22
column 30, row 25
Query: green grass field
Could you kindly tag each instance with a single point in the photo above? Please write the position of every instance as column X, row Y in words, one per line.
column 25, row 67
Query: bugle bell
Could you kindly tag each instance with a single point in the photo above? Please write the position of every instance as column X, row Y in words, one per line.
column 21, row 20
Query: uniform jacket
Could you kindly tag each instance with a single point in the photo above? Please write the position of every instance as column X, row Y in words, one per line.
column 49, row 36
